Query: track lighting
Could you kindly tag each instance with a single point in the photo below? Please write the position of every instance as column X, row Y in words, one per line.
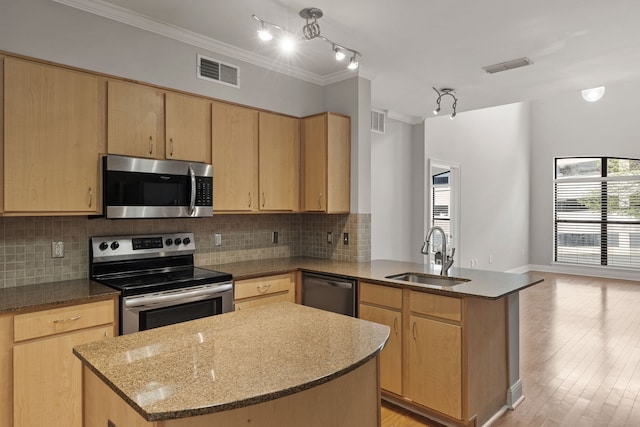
column 593, row 94
column 444, row 92
column 310, row 31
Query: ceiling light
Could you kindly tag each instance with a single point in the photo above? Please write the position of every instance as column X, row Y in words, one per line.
column 310, row 31
column 508, row 65
column 264, row 34
column 593, row 94
column 444, row 92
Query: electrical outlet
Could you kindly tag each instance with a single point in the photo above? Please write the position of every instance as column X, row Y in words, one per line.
column 329, row 237
column 57, row 249
column 274, row 237
column 345, row 238
column 217, row 239
column 490, row 259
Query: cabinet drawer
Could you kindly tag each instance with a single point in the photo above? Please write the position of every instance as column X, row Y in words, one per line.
column 263, row 286
column 436, row 305
column 381, row 295
column 57, row 320
column 284, row 297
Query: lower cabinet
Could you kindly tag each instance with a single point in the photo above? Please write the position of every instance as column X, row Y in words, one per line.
column 264, row 290
column 47, row 377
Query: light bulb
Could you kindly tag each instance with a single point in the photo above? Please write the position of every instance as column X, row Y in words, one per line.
column 452, row 115
column 593, row 94
column 265, row 35
column 353, row 64
column 287, row 45
column 436, row 111
column 339, row 54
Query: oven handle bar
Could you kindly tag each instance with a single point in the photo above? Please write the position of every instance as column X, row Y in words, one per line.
column 180, row 295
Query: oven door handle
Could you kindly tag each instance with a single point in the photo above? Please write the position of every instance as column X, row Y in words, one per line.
column 192, row 202
column 180, row 296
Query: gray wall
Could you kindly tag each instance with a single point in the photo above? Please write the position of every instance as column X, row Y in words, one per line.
column 566, row 125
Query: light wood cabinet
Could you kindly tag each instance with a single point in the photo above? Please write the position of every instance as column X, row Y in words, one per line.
column 235, row 158
column 383, row 305
column 52, row 139
column 6, row 370
column 188, row 127
column 264, row 290
column 326, row 163
column 279, row 162
column 135, row 120
column 47, row 377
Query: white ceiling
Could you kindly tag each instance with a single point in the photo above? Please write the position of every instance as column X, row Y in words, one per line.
column 408, row 46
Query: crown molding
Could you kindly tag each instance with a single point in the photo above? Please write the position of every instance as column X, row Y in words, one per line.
column 138, row 20
column 405, row 118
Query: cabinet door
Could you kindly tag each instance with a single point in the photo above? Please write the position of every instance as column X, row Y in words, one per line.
column 52, row 131
column 338, row 163
column 314, row 147
column 435, row 365
column 279, row 152
column 135, row 120
column 47, row 380
column 235, row 158
column 391, row 355
column 255, row 302
column 188, row 128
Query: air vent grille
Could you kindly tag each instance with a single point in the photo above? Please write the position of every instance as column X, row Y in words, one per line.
column 508, row 65
column 377, row 121
column 216, row 71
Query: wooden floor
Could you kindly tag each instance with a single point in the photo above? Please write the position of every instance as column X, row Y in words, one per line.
column 579, row 355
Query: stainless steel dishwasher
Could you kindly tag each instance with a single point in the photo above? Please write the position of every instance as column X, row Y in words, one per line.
column 331, row 293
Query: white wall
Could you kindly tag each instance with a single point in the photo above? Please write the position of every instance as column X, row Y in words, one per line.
column 397, row 184
column 493, row 148
column 566, row 125
column 55, row 32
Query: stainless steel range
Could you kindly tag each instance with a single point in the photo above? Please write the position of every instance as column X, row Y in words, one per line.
column 158, row 281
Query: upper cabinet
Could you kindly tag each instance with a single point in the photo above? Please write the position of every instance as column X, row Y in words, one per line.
column 279, row 162
column 53, row 134
column 235, row 158
column 188, row 127
column 135, row 120
column 326, row 163
column 143, row 121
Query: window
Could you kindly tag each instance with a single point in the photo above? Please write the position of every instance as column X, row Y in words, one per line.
column 597, row 211
column 441, row 203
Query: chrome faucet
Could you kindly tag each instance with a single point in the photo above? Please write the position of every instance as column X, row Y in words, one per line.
column 447, row 261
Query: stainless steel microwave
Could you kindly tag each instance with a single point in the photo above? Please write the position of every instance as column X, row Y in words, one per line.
column 148, row 188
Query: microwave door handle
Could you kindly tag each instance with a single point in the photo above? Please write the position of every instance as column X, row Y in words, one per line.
column 192, row 203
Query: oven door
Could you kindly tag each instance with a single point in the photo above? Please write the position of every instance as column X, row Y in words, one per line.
column 148, row 311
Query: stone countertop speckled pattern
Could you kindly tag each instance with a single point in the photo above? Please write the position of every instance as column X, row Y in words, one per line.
column 49, row 295
column 482, row 283
column 231, row 360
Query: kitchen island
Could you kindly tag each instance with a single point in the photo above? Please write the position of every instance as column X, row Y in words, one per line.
column 280, row 364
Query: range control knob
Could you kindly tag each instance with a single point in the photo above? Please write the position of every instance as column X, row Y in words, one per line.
column 186, row 240
column 115, row 245
column 168, row 242
column 103, row 246
column 178, row 240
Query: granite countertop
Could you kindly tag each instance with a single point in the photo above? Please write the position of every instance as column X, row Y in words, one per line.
column 482, row 283
column 48, row 295
column 231, row 360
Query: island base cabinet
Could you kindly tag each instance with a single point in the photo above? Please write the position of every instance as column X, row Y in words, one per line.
column 352, row 400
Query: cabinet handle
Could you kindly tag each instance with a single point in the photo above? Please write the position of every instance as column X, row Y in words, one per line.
column 413, row 331
column 150, row 145
column 171, row 141
column 320, row 201
column 71, row 319
column 90, row 197
column 250, row 200
column 264, row 288
column 395, row 325
column 106, row 335
column 264, row 199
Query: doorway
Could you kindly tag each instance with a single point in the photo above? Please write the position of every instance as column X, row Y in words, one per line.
column 443, row 203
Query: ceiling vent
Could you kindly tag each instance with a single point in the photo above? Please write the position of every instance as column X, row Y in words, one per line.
column 377, row 121
column 216, row 71
column 509, row 65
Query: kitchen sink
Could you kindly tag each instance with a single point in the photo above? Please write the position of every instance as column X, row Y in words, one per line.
column 428, row 279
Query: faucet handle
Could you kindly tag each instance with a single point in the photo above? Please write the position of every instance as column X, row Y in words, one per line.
column 453, row 251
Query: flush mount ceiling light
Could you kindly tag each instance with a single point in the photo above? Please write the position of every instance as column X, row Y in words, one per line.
column 310, row 31
column 593, row 94
column 445, row 92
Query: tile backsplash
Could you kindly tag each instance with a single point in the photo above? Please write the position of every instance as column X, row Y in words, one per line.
column 25, row 242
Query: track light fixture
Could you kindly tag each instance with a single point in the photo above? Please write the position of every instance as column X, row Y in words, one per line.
column 310, row 31
column 444, row 92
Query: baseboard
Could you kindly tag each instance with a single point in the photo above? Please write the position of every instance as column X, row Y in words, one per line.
column 514, row 394
column 586, row 271
column 495, row 416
